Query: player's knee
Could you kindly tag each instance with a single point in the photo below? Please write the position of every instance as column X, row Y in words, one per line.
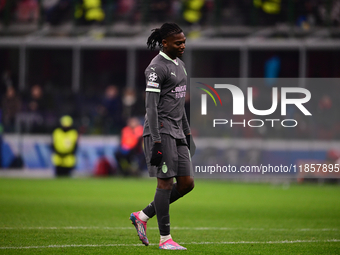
column 165, row 184
column 191, row 185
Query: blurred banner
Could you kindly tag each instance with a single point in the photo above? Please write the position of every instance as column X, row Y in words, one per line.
column 35, row 151
column 265, row 127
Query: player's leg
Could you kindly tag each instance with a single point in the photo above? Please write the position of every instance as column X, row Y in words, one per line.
column 164, row 173
column 162, row 206
column 185, row 175
column 184, row 184
column 149, row 211
column 184, row 181
column 139, row 219
column 161, row 201
column 165, row 191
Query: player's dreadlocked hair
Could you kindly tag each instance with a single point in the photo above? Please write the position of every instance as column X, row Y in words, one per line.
column 161, row 33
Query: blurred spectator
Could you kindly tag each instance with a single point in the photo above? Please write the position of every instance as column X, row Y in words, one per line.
column 58, row 11
column 159, row 10
column 272, row 70
column 306, row 13
column 332, row 156
column 11, row 105
column 133, row 105
column 326, row 116
column 303, row 13
column 36, row 102
column 27, row 11
column 2, row 7
column 110, row 110
column 327, row 16
column 176, row 9
column 335, row 13
column 127, row 10
column 232, row 12
column 333, row 162
column 129, row 100
column 103, row 166
column 34, row 108
column 64, row 144
column 130, row 155
column 6, row 80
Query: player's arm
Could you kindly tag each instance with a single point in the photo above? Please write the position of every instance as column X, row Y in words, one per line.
column 151, row 103
column 154, row 76
column 187, row 132
column 185, row 124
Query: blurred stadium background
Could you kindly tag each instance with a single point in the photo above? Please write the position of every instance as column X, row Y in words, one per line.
column 86, row 58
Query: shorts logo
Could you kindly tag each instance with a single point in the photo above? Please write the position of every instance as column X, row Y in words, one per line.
column 164, row 168
column 153, row 84
column 152, row 76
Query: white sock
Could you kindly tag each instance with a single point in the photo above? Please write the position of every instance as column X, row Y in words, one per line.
column 165, row 238
column 143, row 216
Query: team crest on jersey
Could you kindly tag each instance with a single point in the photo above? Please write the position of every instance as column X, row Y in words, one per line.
column 152, row 76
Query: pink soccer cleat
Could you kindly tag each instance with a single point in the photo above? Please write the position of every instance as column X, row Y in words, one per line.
column 140, row 227
column 170, row 245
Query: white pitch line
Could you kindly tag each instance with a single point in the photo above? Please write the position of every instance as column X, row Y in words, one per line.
column 174, row 228
column 190, row 243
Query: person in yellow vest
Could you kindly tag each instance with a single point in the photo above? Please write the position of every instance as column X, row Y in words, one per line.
column 269, row 6
column 89, row 11
column 271, row 11
column 192, row 11
column 64, row 143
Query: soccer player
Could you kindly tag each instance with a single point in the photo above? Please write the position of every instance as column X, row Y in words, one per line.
column 166, row 133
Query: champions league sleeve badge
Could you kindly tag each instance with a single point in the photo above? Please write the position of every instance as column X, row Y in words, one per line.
column 152, row 76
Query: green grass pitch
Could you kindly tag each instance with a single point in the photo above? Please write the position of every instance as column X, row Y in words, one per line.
column 91, row 216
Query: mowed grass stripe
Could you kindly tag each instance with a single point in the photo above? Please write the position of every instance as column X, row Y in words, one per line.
column 95, row 212
column 174, row 228
column 190, row 243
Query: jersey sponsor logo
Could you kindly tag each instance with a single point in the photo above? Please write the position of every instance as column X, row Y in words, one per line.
column 152, row 76
column 153, row 84
column 180, row 91
column 173, row 74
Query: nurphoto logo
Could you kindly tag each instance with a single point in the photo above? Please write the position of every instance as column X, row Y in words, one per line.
column 238, row 106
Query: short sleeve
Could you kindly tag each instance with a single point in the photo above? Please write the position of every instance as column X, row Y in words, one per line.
column 154, row 77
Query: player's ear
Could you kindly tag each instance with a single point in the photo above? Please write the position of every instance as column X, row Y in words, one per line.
column 164, row 43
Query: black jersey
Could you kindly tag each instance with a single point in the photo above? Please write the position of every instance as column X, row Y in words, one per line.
column 166, row 81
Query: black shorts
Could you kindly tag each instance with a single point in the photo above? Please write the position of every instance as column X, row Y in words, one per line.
column 176, row 159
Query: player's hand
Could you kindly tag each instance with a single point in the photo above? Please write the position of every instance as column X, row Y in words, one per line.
column 191, row 145
column 157, row 154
